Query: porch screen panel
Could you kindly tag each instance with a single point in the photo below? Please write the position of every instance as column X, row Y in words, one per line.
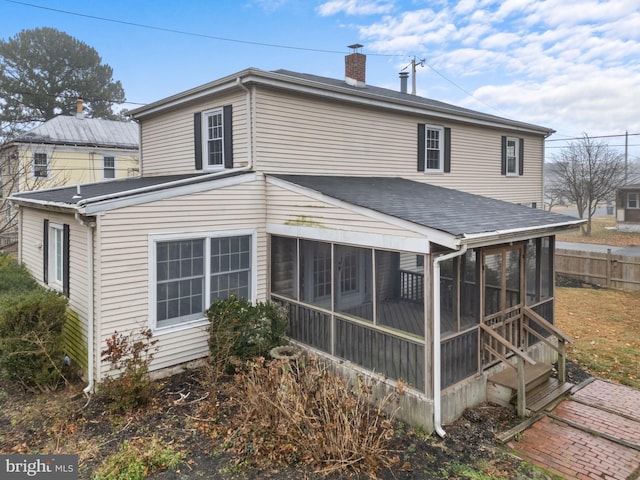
column 470, row 290
column 513, row 278
column 315, row 273
column 546, row 268
column 383, row 353
column 449, row 297
column 353, row 281
column 493, row 283
column 393, row 307
column 284, row 258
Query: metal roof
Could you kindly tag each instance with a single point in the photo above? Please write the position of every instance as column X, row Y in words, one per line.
column 453, row 212
column 82, row 131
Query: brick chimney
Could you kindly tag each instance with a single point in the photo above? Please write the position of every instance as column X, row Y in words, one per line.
column 79, row 107
column 355, row 67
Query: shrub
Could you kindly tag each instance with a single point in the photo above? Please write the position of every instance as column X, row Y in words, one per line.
column 243, row 330
column 297, row 413
column 138, row 459
column 31, row 338
column 14, row 278
column 130, row 357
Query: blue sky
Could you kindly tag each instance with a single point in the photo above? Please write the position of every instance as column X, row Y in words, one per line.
column 572, row 65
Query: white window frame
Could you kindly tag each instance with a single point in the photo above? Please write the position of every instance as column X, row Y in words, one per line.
column 111, row 168
column 154, row 239
column 46, row 165
column 428, row 148
column 206, row 131
column 55, row 256
column 516, row 157
column 636, row 198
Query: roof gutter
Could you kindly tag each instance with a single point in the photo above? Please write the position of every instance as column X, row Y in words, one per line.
column 437, row 367
column 515, row 234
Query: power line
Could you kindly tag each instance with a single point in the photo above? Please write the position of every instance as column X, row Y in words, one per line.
column 590, row 136
column 247, row 42
column 183, row 32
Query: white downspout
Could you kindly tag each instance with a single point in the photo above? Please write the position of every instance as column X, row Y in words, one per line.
column 437, row 401
column 90, row 296
column 249, row 126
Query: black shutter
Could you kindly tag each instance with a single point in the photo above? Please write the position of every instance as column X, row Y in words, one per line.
column 521, row 166
column 66, row 250
column 227, row 125
column 421, row 147
column 45, row 252
column 197, row 135
column 504, row 155
column 447, row 149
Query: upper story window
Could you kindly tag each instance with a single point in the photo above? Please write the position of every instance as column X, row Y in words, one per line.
column 40, row 166
column 434, row 148
column 109, row 167
column 213, row 138
column 512, row 156
column 633, row 200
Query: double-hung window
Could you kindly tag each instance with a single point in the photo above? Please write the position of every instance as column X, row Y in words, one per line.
column 512, row 156
column 434, row 148
column 55, row 256
column 214, row 139
column 40, row 167
column 192, row 272
column 56, row 252
column 109, row 167
column 633, row 200
column 433, row 144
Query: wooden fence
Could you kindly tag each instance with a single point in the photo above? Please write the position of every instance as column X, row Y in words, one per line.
column 9, row 243
column 605, row 269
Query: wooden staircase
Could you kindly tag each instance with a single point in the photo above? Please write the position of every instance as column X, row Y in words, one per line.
column 524, row 381
column 541, row 390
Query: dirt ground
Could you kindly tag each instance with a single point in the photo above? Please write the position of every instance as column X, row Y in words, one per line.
column 179, row 416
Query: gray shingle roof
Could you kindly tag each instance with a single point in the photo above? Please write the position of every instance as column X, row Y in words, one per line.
column 63, row 196
column 451, row 211
column 82, row 131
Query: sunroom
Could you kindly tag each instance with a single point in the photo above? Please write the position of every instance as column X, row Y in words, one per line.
column 354, row 297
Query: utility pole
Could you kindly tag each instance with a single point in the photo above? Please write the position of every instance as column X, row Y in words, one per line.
column 626, row 157
column 413, row 73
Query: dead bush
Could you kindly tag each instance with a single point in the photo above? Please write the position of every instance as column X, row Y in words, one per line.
column 302, row 413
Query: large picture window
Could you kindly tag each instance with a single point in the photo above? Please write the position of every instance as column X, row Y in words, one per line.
column 192, row 273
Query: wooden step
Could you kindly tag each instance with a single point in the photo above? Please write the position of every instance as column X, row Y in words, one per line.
column 534, row 375
column 546, row 394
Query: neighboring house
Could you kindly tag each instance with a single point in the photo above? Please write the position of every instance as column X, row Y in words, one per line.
column 352, row 206
column 68, row 150
column 628, row 208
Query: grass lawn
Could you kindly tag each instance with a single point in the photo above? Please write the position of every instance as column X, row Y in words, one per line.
column 605, row 324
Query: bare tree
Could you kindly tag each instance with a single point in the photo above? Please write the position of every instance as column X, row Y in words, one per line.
column 16, row 175
column 588, row 172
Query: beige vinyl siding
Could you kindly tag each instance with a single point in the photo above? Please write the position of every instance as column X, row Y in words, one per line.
column 32, row 257
column 296, row 134
column 125, row 266
column 168, row 139
column 286, row 207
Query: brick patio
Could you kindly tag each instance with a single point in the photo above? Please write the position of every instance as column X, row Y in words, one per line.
column 594, row 434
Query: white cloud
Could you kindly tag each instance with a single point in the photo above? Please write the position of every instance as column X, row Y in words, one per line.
column 355, row 7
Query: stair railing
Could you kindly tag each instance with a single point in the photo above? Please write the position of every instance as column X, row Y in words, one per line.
column 563, row 339
column 521, row 356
